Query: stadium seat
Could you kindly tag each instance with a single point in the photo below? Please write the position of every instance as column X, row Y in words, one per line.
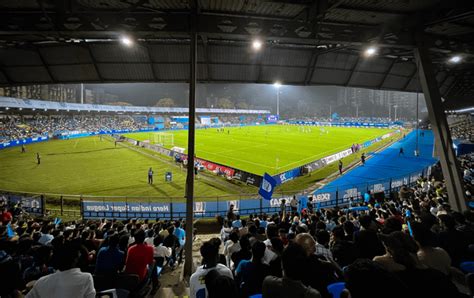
column 335, row 289
column 467, row 267
column 256, row 296
column 113, row 293
column 470, row 282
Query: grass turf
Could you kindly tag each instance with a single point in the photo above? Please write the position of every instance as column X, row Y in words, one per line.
column 269, row 148
column 89, row 166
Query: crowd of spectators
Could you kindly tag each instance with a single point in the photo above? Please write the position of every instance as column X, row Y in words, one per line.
column 411, row 245
column 43, row 258
column 463, row 130
column 17, row 128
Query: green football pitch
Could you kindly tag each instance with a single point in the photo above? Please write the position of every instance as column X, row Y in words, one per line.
column 91, row 166
column 267, row 148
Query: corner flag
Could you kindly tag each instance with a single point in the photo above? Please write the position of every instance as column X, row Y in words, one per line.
column 267, row 186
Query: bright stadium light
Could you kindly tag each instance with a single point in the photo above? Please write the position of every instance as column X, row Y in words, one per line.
column 455, row 59
column 277, row 84
column 257, row 44
column 370, row 51
column 126, row 41
column 7, row 108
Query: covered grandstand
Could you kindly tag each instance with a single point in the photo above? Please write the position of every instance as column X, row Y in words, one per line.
column 415, row 46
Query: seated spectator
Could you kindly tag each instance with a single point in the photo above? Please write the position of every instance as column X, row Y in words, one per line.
column 420, row 280
column 319, row 271
column 42, row 257
column 290, row 285
column 244, row 253
column 382, row 282
column 322, row 241
column 433, row 257
column 231, row 246
column 159, row 250
column 46, row 236
column 220, row 285
column 250, row 273
column 139, row 256
column 343, row 251
column 237, row 223
column 68, row 281
column 110, row 258
column 210, row 254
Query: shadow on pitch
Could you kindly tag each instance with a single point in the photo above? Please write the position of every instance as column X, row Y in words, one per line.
column 159, row 190
column 87, row 151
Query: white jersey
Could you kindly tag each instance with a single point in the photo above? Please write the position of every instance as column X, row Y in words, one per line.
column 197, row 284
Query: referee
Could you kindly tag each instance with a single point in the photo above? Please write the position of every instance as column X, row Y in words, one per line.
column 150, row 176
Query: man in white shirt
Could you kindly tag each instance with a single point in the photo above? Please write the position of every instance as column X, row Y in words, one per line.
column 68, row 281
column 210, row 254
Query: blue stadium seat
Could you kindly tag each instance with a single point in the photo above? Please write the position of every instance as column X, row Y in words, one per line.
column 256, row 296
column 335, row 289
column 467, row 267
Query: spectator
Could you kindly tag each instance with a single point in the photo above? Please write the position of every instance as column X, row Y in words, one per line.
column 110, row 259
column 69, row 281
column 290, row 285
column 319, row 271
column 250, row 273
column 433, row 257
column 342, row 250
column 139, row 256
column 210, row 254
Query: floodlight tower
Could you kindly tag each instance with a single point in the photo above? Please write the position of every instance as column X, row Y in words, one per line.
column 277, row 85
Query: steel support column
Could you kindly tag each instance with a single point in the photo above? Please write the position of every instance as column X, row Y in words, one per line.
column 188, row 264
column 448, row 161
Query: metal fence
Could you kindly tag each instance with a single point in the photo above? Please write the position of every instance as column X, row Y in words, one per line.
column 125, row 207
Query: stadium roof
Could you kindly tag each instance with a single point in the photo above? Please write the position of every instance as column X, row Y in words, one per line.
column 305, row 42
column 30, row 104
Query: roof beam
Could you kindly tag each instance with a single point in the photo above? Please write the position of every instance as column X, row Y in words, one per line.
column 352, row 71
column 147, row 48
column 412, row 76
column 206, row 56
column 387, row 73
column 94, row 62
column 38, row 51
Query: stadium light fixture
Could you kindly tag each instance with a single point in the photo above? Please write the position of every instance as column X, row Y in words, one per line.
column 257, row 44
column 277, row 84
column 20, row 109
column 370, row 51
column 455, row 59
column 126, row 41
column 7, row 108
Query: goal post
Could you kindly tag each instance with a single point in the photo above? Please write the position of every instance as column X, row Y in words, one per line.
column 163, row 139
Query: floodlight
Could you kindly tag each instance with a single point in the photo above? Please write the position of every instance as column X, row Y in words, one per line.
column 455, row 59
column 126, row 41
column 277, row 84
column 257, row 44
column 370, row 51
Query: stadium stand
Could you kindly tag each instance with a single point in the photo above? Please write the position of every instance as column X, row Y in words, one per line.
column 289, row 252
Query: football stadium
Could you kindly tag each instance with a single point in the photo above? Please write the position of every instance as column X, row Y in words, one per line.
column 211, row 149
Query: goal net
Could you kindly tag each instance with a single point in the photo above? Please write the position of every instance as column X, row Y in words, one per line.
column 163, row 139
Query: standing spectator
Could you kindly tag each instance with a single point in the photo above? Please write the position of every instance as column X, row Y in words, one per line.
column 139, row 256
column 210, row 254
column 230, row 213
column 181, row 236
column 294, row 204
